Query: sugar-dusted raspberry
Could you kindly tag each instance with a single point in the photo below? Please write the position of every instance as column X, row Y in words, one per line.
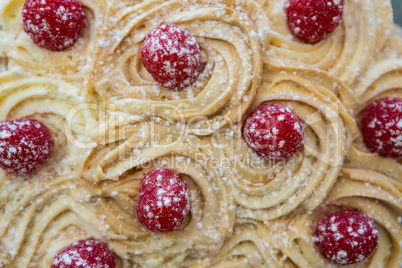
column 172, row 56
column 164, row 200
column 273, row 131
column 346, row 237
column 53, row 24
column 25, row 145
column 85, row 254
column 381, row 127
column 313, row 20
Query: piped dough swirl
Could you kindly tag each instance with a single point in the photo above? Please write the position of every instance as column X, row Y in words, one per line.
column 288, row 241
column 60, row 107
column 243, row 210
column 365, row 30
column 249, row 246
column 366, row 183
column 267, row 189
column 71, row 64
column 56, row 212
column 126, row 152
column 383, row 79
column 370, row 175
column 98, row 202
column 29, row 204
column 231, row 35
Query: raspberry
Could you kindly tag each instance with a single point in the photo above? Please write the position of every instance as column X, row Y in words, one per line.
column 313, row 20
column 382, row 127
column 85, row 254
column 346, row 237
column 53, row 24
column 164, row 200
column 273, row 131
column 25, row 145
column 172, row 56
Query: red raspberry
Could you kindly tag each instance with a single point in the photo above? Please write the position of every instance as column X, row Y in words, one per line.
column 172, row 56
column 164, row 200
column 273, row 131
column 382, row 127
column 25, row 145
column 53, row 24
column 85, row 254
column 346, row 237
column 313, row 20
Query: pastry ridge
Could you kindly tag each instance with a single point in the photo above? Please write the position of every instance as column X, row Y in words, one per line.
column 111, row 124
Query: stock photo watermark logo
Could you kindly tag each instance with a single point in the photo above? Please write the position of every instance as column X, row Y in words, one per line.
column 164, row 127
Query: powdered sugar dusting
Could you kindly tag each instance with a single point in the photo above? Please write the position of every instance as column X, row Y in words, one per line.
column 53, row 24
column 313, row 20
column 172, row 56
column 85, row 254
column 25, row 145
column 346, row 237
column 382, row 127
column 273, row 131
column 164, row 200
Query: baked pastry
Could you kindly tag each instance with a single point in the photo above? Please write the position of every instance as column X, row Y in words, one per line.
column 232, row 36
column 112, row 125
column 269, row 189
column 71, row 65
column 348, row 51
